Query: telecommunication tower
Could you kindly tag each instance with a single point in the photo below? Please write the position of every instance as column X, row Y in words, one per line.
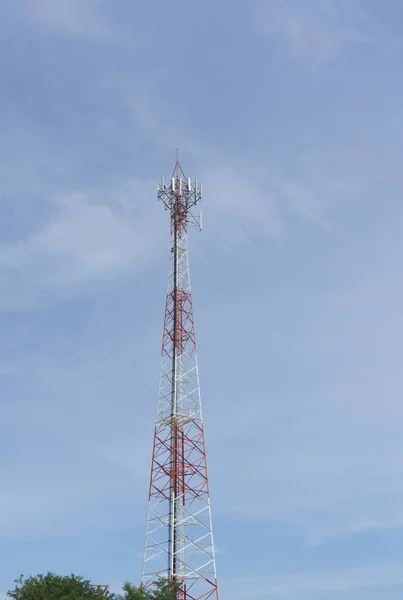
column 179, row 537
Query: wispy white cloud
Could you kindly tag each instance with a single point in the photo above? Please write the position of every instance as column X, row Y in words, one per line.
column 146, row 108
column 98, row 233
column 325, row 459
column 357, row 528
column 71, row 17
column 319, row 30
column 246, row 205
column 301, row 585
column 87, row 235
column 240, row 207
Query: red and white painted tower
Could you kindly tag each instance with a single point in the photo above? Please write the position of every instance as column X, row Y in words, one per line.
column 179, row 538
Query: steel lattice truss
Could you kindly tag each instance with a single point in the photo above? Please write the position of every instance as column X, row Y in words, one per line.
column 179, row 538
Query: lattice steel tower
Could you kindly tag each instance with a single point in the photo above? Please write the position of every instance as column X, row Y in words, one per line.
column 179, row 537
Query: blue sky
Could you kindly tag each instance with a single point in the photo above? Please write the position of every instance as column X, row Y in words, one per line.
column 290, row 113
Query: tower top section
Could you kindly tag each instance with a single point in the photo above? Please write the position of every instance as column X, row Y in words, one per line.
column 180, row 195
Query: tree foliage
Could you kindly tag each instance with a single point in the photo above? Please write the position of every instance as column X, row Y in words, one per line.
column 56, row 587
column 73, row 587
column 161, row 590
